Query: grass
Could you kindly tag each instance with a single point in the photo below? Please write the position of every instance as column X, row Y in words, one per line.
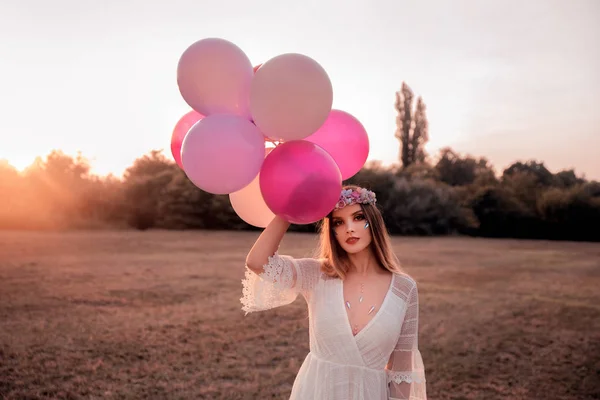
column 156, row 315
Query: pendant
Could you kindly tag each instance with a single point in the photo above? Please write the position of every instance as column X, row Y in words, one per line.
column 371, row 309
column 360, row 299
column 348, row 304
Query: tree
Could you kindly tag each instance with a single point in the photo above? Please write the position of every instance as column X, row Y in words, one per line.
column 150, row 164
column 374, row 176
column 144, row 184
column 412, row 127
column 501, row 214
column 567, row 179
column 567, row 213
column 142, row 196
column 420, row 171
column 103, row 201
column 537, row 170
column 58, row 182
column 12, row 196
column 527, row 181
column 9, row 178
column 459, row 171
column 182, row 205
column 423, row 207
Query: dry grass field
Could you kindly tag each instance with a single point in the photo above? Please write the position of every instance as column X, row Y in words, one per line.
column 156, row 315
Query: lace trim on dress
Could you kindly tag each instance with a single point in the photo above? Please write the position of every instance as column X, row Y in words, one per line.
column 270, row 288
column 405, row 376
column 277, row 273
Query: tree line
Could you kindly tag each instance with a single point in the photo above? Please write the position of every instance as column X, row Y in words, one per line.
column 453, row 194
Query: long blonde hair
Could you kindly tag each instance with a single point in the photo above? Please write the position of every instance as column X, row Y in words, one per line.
column 336, row 263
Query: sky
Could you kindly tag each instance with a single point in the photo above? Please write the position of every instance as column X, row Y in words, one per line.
column 506, row 80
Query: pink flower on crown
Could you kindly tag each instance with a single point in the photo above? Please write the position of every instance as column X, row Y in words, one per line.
column 359, row 196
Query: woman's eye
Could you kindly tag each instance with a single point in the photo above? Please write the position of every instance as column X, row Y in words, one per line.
column 336, row 223
column 360, row 217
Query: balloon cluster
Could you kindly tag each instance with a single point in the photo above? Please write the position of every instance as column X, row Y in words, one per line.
column 266, row 135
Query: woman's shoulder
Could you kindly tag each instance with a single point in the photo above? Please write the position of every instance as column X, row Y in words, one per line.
column 403, row 284
column 311, row 265
column 404, row 277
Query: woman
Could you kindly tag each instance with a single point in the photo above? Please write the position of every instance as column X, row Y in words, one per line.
column 363, row 309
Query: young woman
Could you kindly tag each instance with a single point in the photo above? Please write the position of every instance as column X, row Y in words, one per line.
column 363, row 309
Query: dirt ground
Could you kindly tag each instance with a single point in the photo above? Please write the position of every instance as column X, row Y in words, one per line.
column 156, row 315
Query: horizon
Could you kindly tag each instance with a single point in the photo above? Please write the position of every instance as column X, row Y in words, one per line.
column 507, row 81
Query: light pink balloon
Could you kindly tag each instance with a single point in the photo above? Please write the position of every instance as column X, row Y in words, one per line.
column 222, row 153
column 300, row 182
column 250, row 205
column 345, row 138
column 214, row 77
column 181, row 129
column 290, row 97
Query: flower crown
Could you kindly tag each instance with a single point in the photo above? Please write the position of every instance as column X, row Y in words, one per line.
column 355, row 196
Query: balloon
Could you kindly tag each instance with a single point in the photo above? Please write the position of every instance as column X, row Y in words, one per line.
column 300, row 182
column 290, row 97
column 257, row 67
column 181, row 129
column 250, row 205
column 214, row 77
column 345, row 139
column 222, row 153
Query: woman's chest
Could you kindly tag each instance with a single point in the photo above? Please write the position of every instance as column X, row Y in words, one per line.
column 332, row 317
column 331, row 334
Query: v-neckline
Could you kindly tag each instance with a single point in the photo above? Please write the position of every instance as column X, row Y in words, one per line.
column 346, row 317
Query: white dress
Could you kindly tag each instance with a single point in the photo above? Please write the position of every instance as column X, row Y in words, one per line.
column 382, row 362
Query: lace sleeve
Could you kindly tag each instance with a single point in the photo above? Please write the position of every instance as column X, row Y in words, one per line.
column 405, row 369
column 282, row 280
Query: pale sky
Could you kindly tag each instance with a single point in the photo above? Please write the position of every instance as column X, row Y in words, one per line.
column 508, row 80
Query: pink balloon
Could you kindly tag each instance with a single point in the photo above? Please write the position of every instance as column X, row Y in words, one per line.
column 181, row 129
column 300, row 182
column 290, row 97
column 345, row 138
column 214, row 77
column 222, row 153
column 250, row 205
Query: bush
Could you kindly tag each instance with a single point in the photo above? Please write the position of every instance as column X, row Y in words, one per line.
column 423, row 207
column 572, row 214
column 460, row 194
column 420, row 171
column 501, row 214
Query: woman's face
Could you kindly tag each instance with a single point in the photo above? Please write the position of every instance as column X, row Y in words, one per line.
column 351, row 228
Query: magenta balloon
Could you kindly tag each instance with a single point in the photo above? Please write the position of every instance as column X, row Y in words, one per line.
column 181, row 129
column 345, row 139
column 300, row 182
column 223, row 153
column 290, row 97
column 214, row 77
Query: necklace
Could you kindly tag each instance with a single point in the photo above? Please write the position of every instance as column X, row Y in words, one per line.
column 360, row 300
